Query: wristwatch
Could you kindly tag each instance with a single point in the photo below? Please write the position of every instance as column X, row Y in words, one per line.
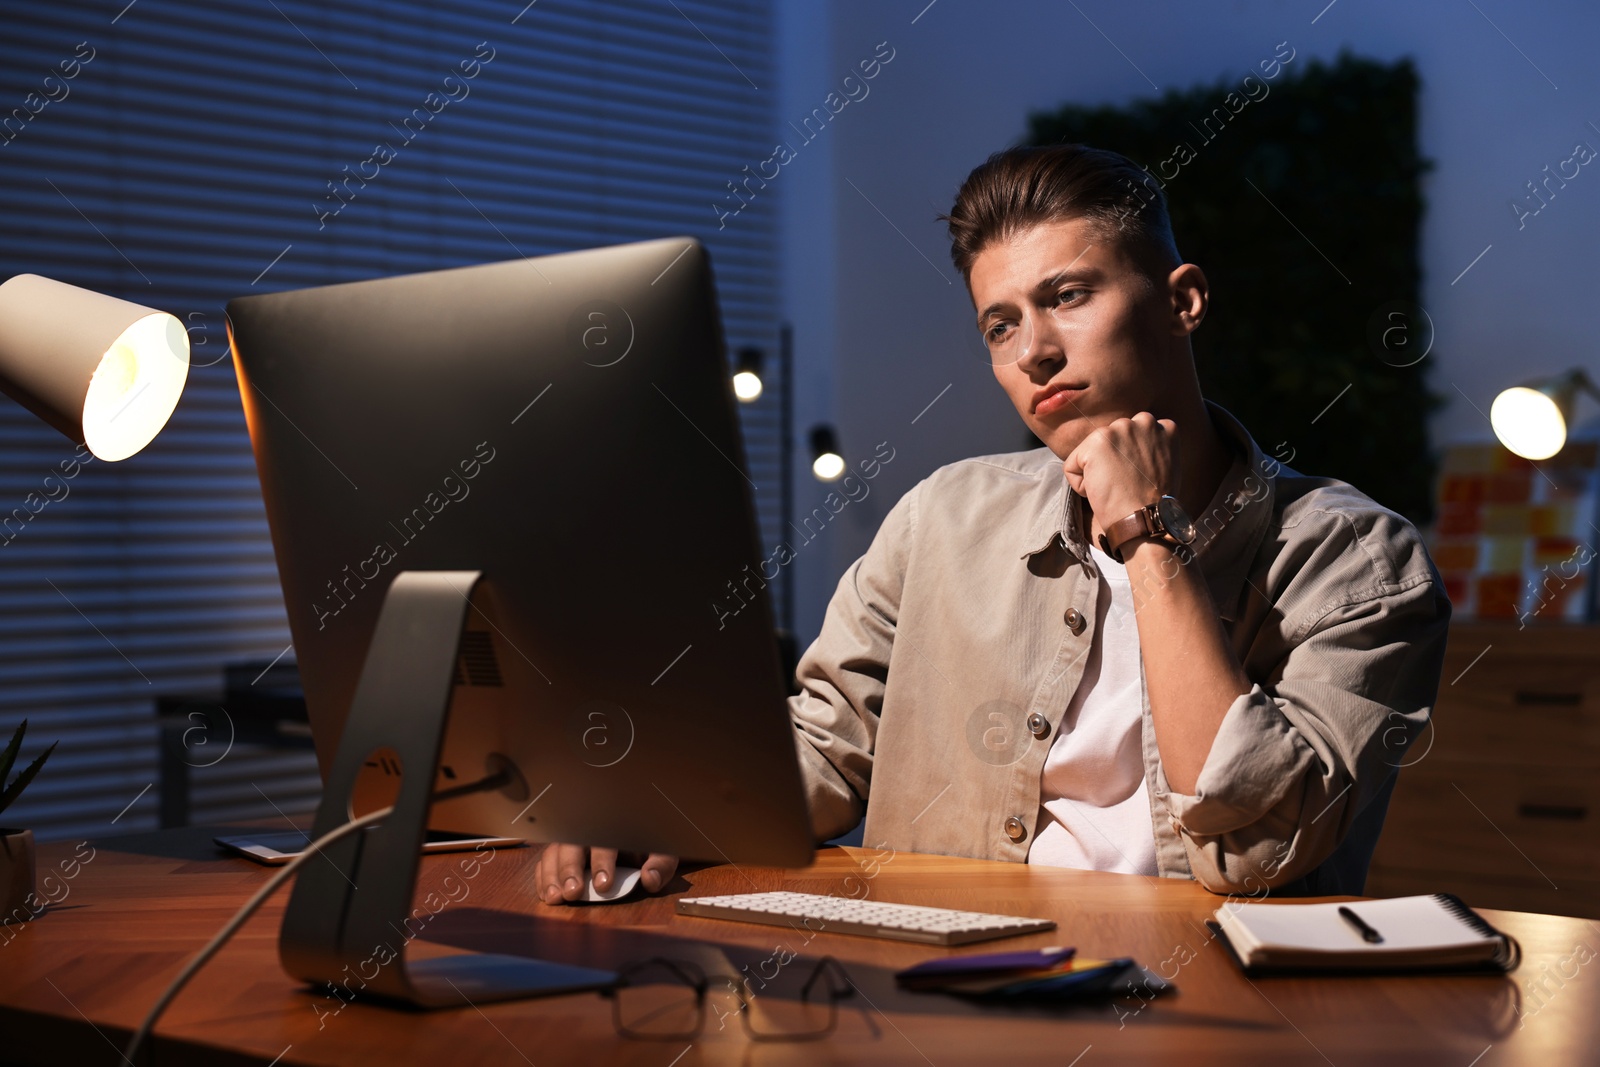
column 1165, row 519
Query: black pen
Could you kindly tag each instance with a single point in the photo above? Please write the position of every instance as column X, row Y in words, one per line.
column 1368, row 934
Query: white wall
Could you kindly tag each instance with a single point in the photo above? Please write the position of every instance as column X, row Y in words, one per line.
column 883, row 322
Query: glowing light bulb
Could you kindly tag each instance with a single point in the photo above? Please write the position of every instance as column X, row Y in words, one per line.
column 828, row 466
column 746, row 386
column 1528, row 422
column 135, row 387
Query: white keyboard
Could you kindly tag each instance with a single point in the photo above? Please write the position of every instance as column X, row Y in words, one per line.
column 840, row 915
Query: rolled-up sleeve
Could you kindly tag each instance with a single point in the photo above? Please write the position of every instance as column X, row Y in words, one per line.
column 1298, row 758
column 844, row 674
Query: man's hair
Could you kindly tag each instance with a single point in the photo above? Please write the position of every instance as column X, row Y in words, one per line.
column 1021, row 187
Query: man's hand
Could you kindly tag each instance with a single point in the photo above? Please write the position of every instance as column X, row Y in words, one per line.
column 1192, row 674
column 1124, row 466
column 561, row 873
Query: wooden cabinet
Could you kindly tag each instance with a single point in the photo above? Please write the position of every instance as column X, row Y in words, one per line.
column 1497, row 800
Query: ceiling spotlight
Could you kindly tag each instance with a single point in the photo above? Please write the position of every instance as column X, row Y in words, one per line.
column 747, row 374
column 826, row 462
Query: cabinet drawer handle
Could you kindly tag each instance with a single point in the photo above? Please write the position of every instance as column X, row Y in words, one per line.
column 1572, row 812
column 1560, row 700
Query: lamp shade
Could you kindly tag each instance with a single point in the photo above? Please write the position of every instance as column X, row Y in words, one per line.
column 103, row 371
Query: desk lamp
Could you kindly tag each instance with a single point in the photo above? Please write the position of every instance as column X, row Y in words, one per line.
column 1532, row 419
column 101, row 370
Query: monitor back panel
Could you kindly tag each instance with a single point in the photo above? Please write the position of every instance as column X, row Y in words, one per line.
column 564, row 424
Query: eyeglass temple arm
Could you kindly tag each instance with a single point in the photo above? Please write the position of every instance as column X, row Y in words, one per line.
column 823, row 965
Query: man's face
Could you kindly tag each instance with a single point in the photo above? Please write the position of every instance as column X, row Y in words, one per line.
column 1063, row 312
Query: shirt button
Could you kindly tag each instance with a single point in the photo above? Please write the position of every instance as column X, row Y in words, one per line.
column 1075, row 621
column 1014, row 828
column 1038, row 725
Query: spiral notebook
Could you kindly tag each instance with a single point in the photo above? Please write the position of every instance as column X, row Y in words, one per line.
column 1434, row 933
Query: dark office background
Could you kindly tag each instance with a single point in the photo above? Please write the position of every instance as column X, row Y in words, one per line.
column 187, row 159
column 1340, row 142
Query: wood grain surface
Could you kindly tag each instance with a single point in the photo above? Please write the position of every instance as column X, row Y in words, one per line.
column 74, row 981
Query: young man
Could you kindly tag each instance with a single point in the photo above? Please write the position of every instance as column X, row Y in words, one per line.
column 1042, row 658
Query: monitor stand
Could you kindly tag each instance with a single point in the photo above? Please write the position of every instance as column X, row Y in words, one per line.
column 346, row 923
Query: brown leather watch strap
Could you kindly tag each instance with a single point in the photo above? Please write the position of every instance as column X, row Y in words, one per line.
column 1124, row 530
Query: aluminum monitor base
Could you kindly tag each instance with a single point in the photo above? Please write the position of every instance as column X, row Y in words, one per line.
column 346, row 924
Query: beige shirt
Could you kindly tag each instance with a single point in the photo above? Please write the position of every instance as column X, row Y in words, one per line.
column 951, row 650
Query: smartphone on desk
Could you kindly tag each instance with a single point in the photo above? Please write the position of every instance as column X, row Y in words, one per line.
column 277, row 847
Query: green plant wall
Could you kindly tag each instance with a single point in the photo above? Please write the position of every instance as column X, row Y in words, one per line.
column 1301, row 199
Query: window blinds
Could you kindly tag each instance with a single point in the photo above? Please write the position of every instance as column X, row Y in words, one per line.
column 184, row 152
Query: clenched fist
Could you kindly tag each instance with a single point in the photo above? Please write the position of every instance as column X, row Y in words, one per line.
column 1122, row 467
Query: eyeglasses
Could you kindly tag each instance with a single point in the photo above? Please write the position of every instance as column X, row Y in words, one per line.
column 661, row 999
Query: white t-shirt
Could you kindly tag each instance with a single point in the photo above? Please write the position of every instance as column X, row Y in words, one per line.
column 1097, row 805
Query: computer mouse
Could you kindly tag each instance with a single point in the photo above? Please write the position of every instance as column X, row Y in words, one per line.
column 623, row 882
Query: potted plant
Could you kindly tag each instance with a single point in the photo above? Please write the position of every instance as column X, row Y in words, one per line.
column 16, row 846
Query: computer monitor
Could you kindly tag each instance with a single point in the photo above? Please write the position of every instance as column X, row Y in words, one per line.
column 566, row 425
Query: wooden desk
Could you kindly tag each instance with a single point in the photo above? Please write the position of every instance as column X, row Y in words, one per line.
column 73, row 982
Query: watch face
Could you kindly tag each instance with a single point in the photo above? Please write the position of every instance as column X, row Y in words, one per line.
column 1175, row 519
